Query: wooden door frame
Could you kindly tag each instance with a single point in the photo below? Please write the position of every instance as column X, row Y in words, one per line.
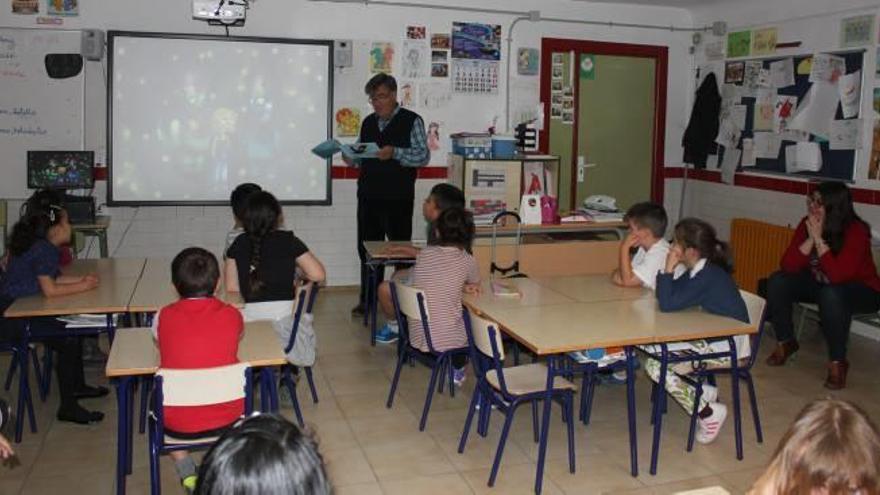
column 660, row 54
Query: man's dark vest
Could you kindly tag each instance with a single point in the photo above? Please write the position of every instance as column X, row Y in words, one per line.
column 387, row 179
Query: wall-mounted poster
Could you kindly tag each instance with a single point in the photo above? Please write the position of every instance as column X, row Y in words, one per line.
column 856, row 31
column 381, row 57
column 476, row 41
column 764, row 41
column 63, row 7
column 25, row 6
column 527, row 61
column 348, row 122
column 739, row 44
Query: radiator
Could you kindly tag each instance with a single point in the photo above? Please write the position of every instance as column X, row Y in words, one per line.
column 757, row 249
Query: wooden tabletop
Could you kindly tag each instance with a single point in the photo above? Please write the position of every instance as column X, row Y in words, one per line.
column 155, row 290
column 101, row 222
column 375, row 249
column 117, row 281
column 532, row 294
column 550, row 228
column 592, row 288
column 134, row 351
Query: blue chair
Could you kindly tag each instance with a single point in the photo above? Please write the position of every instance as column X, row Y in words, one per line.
column 20, row 356
column 187, row 388
column 410, row 303
column 303, row 305
column 508, row 388
column 702, row 373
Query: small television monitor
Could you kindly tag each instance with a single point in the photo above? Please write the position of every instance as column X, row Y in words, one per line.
column 60, row 169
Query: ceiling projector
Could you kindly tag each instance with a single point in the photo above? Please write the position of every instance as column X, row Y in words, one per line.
column 220, row 11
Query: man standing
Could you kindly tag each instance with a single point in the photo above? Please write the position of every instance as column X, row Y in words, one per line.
column 386, row 185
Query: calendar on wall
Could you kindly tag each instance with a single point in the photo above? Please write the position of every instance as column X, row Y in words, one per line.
column 475, row 76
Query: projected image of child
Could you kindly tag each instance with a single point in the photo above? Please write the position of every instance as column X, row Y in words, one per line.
column 223, row 123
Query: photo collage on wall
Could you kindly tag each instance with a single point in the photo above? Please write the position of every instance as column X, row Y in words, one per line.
column 561, row 92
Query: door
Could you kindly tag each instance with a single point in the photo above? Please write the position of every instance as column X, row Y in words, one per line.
column 607, row 121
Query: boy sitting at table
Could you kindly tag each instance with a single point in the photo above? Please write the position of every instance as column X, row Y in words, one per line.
column 647, row 223
column 198, row 331
column 441, row 198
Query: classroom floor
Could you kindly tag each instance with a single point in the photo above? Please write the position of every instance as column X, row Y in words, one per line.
column 369, row 449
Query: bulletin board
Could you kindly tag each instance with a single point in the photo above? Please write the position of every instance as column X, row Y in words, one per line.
column 836, row 164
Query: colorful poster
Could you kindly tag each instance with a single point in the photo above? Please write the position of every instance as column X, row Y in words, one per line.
column 785, row 106
column 415, row 32
column 856, row 31
column 381, row 57
column 440, row 41
column 764, row 41
column 414, row 62
column 588, row 67
column 348, row 122
column 734, row 72
column 62, row 7
column 739, row 44
column 25, row 6
column 476, row 41
column 527, row 61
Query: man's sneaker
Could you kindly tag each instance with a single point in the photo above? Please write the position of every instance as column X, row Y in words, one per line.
column 358, row 311
column 386, row 335
column 458, row 376
column 708, row 428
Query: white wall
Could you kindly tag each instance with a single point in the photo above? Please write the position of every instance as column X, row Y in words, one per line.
column 330, row 231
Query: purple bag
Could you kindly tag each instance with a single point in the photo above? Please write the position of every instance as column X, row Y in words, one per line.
column 549, row 207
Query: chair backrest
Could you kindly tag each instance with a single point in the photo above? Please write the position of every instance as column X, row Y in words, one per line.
column 303, row 302
column 756, row 306
column 482, row 337
column 410, row 302
column 203, row 386
column 486, row 346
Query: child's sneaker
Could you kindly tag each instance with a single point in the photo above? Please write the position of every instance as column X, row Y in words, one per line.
column 189, row 484
column 458, row 376
column 710, row 427
column 386, row 334
column 710, row 394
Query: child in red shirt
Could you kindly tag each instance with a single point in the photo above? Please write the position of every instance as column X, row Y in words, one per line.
column 198, row 331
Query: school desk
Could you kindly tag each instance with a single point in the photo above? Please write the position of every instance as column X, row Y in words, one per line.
column 377, row 259
column 98, row 229
column 133, row 354
column 155, row 290
column 553, row 330
column 117, row 279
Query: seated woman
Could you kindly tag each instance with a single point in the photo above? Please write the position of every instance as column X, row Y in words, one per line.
column 828, row 263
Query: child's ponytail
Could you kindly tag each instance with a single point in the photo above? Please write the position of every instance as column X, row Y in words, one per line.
column 722, row 256
column 698, row 234
column 261, row 216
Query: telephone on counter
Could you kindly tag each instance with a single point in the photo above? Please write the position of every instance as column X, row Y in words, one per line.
column 600, row 202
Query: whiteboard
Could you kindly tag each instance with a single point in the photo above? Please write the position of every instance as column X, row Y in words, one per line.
column 36, row 112
column 193, row 116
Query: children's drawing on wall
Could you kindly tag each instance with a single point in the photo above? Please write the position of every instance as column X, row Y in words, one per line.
column 733, row 72
column 440, row 70
column 25, row 6
column 414, row 62
column 63, row 7
column 434, row 95
column 381, row 57
column 856, row 31
column 805, row 66
column 826, row 68
column 845, row 135
column 850, row 88
column 764, row 41
column 752, row 73
column 407, row 93
column 474, row 76
column 348, row 122
column 765, row 110
column 476, row 41
column 415, row 32
column 440, row 41
column 782, row 73
column 874, row 165
column 714, row 50
column 739, row 43
column 527, row 61
column 785, row 105
column 434, row 136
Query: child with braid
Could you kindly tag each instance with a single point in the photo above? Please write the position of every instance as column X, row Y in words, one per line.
column 262, row 263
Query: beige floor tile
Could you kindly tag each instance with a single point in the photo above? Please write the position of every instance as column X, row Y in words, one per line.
column 407, row 456
column 359, row 489
column 348, row 467
column 479, row 452
column 593, row 474
column 511, row 480
column 443, row 484
column 94, row 483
